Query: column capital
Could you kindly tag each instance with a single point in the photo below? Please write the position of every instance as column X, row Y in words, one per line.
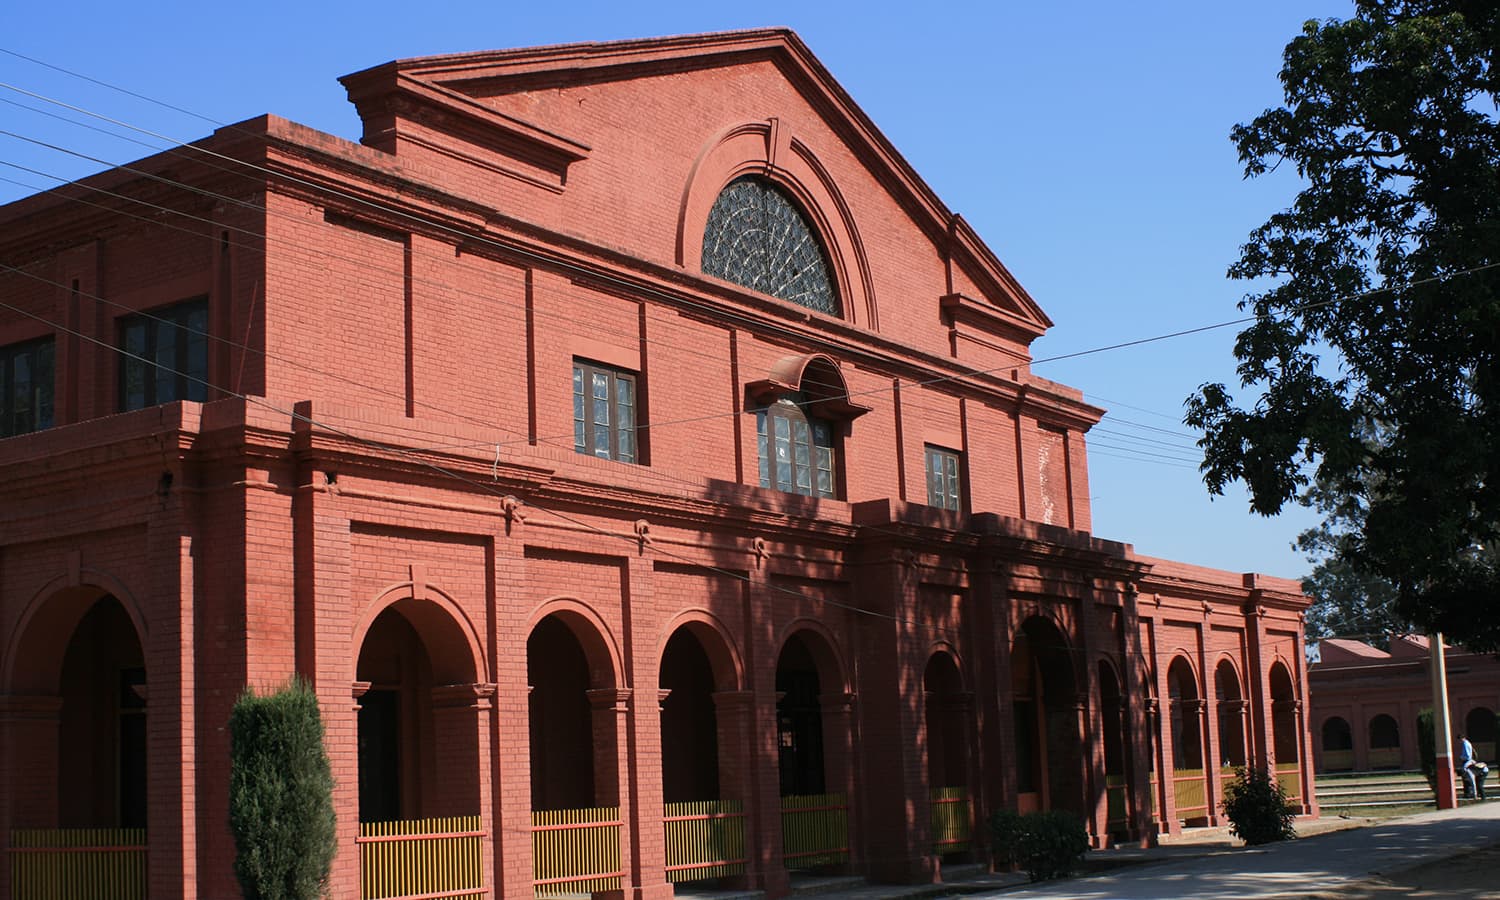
column 730, row 700
column 616, row 699
column 475, row 696
column 29, row 706
column 1198, row 706
column 841, row 701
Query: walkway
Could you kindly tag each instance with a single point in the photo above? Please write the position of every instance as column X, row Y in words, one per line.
column 1312, row 865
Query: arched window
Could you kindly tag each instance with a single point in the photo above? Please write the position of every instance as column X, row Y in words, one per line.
column 1337, row 735
column 1479, row 724
column 1385, row 743
column 1385, row 734
column 757, row 237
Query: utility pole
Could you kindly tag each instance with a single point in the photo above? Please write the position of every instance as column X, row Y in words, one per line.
column 1447, row 796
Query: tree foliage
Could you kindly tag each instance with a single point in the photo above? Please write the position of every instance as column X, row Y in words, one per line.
column 1383, row 318
column 280, row 795
column 1346, row 601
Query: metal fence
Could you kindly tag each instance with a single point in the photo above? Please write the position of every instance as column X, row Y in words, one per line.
column 814, row 830
column 1191, row 793
column 952, row 822
column 705, row 839
column 1289, row 776
column 65, row 863
column 422, row 859
column 575, row 851
column 1116, row 804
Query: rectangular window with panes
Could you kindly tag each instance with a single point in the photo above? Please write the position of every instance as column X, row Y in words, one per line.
column 165, row 355
column 796, row 450
column 944, row 478
column 26, row 378
column 604, row 412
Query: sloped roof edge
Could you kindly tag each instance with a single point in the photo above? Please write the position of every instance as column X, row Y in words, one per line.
column 944, row 228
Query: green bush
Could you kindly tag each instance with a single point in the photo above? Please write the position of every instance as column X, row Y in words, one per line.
column 280, row 795
column 1257, row 808
column 1426, row 746
column 1045, row 844
column 1005, row 829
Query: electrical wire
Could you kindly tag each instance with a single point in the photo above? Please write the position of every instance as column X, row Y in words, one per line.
column 558, row 438
column 810, row 402
column 449, row 473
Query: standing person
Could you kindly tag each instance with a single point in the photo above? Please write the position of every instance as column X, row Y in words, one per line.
column 1472, row 770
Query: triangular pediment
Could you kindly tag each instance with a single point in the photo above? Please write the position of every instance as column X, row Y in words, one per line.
column 496, row 96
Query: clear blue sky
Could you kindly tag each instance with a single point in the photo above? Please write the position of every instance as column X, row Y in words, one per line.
column 1086, row 142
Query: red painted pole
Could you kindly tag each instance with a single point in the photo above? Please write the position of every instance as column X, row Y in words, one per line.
column 1447, row 797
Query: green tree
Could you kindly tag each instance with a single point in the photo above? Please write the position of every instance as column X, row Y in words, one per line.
column 1383, row 313
column 1345, row 599
column 280, row 795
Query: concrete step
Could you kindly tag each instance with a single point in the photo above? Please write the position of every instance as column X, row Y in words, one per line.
column 697, row 892
column 811, row 885
column 1372, row 804
column 1374, row 792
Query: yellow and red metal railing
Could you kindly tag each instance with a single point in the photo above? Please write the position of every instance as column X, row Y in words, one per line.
column 705, row 839
column 1116, row 804
column 576, row 851
column 422, row 859
column 814, row 830
column 1289, row 776
column 952, row 825
column 48, row 863
column 1191, row 793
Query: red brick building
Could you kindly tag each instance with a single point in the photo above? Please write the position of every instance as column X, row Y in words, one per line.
column 630, row 448
column 1365, row 702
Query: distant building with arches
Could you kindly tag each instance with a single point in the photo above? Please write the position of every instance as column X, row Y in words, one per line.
column 1365, row 702
column 641, row 462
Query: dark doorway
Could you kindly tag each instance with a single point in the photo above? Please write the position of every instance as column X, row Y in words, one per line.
column 102, row 723
column 380, row 756
column 689, row 724
column 799, row 721
column 562, row 730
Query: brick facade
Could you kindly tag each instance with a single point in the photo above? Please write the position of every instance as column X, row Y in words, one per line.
column 1365, row 702
column 379, row 490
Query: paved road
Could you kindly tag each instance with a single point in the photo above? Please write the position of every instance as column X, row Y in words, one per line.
column 1324, row 862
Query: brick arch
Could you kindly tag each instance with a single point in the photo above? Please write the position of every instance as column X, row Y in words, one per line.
column 1227, row 659
column 1107, row 665
column 715, row 639
column 832, row 670
column 767, row 149
column 600, row 648
column 1037, row 625
column 1185, row 657
column 33, row 657
column 1338, row 728
column 447, row 634
column 1284, row 705
column 946, row 648
column 1280, row 662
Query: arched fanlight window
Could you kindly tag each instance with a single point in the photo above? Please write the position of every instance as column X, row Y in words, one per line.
column 757, row 237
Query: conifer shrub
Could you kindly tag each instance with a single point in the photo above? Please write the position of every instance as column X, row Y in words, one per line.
column 280, row 795
column 1045, row 844
column 1427, row 745
column 1258, row 810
